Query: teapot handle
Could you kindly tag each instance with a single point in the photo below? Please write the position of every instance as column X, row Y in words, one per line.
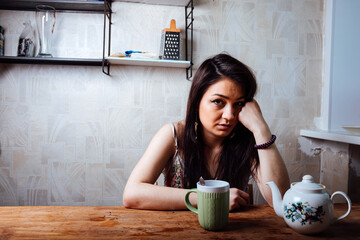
column 348, row 201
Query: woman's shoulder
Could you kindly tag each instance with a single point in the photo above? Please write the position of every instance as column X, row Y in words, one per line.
column 179, row 127
column 171, row 129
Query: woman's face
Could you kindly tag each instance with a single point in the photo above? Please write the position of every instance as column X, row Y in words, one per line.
column 220, row 106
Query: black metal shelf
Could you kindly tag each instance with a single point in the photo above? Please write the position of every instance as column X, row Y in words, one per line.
column 189, row 19
column 59, row 5
column 99, row 7
column 52, row 61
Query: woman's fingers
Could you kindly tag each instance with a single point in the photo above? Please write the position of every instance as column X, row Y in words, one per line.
column 238, row 198
column 242, row 201
column 245, row 196
column 233, row 205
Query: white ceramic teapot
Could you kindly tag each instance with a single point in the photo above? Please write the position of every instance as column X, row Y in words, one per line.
column 307, row 207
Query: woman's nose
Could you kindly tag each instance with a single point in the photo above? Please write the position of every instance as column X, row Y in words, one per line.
column 229, row 113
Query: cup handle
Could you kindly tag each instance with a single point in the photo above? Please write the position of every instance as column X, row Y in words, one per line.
column 187, row 202
column 348, row 201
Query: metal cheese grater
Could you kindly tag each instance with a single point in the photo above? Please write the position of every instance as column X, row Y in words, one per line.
column 171, row 42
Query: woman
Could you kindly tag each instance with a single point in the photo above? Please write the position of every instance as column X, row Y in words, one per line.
column 224, row 136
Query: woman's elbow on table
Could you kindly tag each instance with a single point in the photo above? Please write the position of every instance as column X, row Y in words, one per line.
column 130, row 199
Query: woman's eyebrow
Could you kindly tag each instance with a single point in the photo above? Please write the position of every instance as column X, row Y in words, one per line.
column 226, row 97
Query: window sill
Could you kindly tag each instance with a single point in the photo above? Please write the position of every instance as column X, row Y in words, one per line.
column 331, row 136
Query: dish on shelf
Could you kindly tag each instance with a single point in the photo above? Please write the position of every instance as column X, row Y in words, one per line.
column 355, row 130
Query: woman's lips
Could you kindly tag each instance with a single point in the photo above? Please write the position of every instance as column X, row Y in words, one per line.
column 224, row 126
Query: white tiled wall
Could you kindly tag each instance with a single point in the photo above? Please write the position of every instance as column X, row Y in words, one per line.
column 71, row 135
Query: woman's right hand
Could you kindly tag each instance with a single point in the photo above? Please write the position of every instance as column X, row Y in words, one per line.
column 238, row 198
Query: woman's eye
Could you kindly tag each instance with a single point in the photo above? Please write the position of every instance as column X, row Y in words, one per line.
column 217, row 102
column 240, row 104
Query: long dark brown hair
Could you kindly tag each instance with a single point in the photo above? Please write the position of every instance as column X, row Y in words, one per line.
column 238, row 158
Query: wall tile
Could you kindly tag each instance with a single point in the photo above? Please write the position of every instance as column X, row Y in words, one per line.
column 8, row 194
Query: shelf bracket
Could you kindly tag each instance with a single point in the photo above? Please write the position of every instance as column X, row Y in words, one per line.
column 107, row 15
column 189, row 19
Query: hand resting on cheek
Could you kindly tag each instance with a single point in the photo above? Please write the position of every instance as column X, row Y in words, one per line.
column 251, row 117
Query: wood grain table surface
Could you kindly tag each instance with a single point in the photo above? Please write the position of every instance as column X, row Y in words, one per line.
column 65, row 222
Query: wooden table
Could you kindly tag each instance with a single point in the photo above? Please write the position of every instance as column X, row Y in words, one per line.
column 253, row 222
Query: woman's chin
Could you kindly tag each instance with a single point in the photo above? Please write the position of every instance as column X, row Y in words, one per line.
column 223, row 134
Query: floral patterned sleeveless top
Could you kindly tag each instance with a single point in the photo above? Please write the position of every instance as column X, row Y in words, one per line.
column 174, row 170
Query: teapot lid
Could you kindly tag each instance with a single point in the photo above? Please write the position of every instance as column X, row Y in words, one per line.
column 307, row 184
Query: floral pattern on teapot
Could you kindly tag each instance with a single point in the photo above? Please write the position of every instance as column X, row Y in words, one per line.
column 304, row 213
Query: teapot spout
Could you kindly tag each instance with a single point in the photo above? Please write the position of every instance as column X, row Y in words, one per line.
column 277, row 199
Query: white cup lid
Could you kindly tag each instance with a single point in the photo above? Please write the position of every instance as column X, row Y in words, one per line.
column 214, row 186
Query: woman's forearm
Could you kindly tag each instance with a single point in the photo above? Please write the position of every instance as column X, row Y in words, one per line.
column 154, row 197
column 271, row 168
